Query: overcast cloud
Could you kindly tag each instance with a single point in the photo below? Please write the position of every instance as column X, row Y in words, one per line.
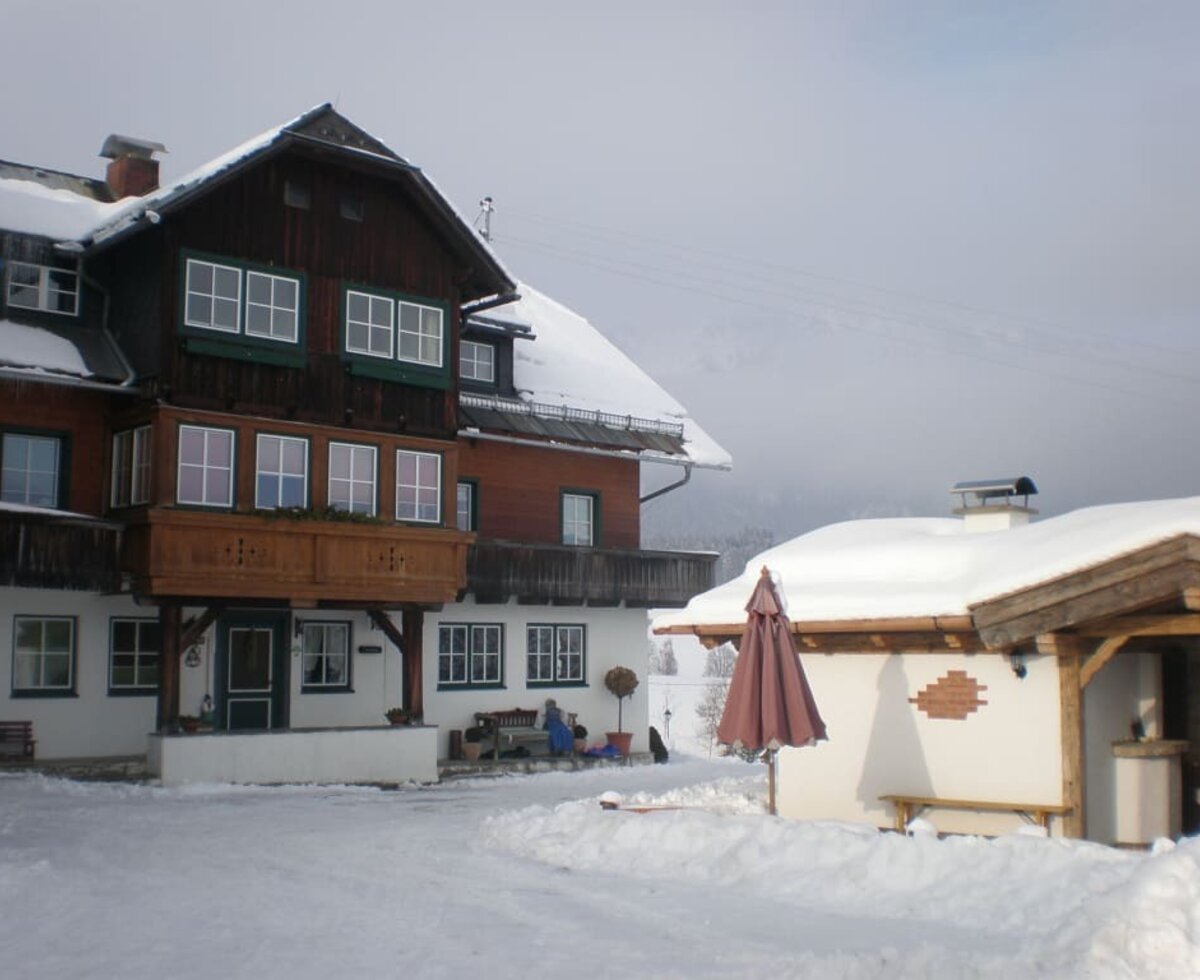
column 875, row 248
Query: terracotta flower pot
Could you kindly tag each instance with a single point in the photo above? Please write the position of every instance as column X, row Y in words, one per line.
column 472, row 750
column 621, row 741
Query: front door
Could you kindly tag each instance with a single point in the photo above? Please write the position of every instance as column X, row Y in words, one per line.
column 251, row 671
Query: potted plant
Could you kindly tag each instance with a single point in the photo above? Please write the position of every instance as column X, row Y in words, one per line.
column 580, row 733
column 472, row 743
column 189, row 723
column 397, row 716
column 621, row 683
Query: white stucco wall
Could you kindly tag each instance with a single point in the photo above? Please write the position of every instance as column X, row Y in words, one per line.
column 879, row 743
column 614, row 637
column 90, row 723
column 1111, row 702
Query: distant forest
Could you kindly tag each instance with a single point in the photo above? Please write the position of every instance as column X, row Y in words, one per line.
column 735, row 548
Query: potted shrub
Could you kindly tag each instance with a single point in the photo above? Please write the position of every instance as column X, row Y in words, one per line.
column 189, row 723
column 580, row 734
column 621, row 683
column 397, row 716
column 472, row 743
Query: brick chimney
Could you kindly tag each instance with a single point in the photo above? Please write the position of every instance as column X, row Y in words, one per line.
column 132, row 169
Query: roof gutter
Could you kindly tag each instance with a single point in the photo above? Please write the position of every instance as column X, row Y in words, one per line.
column 66, row 381
column 500, row 299
column 661, row 491
column 590, row 451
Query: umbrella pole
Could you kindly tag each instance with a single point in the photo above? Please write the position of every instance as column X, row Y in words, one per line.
column 770, row 761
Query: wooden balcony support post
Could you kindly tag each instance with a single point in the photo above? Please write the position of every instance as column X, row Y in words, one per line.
column 414, row 656
column 409, row 643
column 170, row 619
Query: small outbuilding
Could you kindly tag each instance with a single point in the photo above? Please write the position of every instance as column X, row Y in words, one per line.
column 988, row 671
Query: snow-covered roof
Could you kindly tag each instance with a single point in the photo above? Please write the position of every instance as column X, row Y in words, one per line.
column 569, row 363
column 919, row 567
column 31, row 208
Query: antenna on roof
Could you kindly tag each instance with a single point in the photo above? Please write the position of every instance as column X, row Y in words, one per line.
column 485, row 215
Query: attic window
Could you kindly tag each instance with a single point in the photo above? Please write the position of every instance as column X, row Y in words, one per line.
column 297, row 195
column 351, row 207
column 477, row 362
column 39, row 287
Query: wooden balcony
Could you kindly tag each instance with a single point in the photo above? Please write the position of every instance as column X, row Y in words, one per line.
column 42, row 549
column 540, row 573
column 188, row 553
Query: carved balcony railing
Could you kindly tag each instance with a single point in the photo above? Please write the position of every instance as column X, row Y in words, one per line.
column 247, row 556
column 542, row 573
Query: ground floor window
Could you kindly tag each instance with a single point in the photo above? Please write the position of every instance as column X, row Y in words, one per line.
column 470, row 654
column 43, row 655
column 326, row 656
column 555, row 654
column 133, row 649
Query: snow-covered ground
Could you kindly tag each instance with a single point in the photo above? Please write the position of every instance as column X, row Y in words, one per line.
column 522, row 876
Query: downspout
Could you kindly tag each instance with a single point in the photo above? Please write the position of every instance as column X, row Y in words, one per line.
column 687, row 475
column 130, row 375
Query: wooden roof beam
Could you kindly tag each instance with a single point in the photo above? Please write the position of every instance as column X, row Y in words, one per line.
column 1164, row 624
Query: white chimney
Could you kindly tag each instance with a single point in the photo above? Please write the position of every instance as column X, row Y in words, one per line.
column 992, row 505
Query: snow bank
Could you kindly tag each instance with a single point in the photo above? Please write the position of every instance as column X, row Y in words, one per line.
column 1078, row 908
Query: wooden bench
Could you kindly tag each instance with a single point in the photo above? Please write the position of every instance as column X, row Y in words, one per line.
column 16, row 741
column 908, row 807
column 514, row 726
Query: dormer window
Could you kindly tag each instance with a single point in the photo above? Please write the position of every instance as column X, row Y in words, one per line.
column 42, row 287
column 477, row 362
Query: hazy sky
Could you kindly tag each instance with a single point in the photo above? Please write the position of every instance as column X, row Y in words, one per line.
column 875, row 248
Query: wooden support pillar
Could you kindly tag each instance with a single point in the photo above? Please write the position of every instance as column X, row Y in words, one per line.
column 409, row 643
column 170, row 617
column 414, row 655
column 1069, row 652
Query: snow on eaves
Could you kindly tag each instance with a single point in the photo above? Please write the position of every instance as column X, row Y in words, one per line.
column 901, row 567
column 37, row 350
column 570, row 363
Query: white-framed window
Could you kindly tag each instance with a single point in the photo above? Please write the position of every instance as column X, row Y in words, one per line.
column 470, row 654
column 205, row 476
column 352, row 472
column 131, row 467
column 419, row 337
column 213, row 296
column 465, row 499
column 418, row 486
column 578, row 518
column 230, row 299
column 30, row 469
column 369, row 324
column 272, row 307
column 555, row 654
column 281, row 473
column 43, row 654
column 477, row 362
column 326, row 656
column 43, row 287
column 133, row 655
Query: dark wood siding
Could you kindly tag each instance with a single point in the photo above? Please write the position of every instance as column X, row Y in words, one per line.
column 78, row 416
column 245, row 219
column 519, row 491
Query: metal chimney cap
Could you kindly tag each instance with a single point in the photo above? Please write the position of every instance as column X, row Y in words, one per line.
column 1002, row 487
column 116, row 146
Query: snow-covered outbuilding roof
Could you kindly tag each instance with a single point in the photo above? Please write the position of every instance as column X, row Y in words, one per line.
column 571, row 366
column 903, row 568
column 66, row 352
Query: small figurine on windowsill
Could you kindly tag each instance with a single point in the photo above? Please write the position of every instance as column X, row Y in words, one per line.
column 1137, row 730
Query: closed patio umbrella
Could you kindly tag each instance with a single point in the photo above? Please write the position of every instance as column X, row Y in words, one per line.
column 770, row 703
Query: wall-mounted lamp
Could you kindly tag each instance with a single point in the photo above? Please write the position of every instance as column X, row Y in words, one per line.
column 1017, row 662
column 192, row 657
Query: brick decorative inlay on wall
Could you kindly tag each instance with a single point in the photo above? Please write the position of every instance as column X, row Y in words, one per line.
column 952, row 697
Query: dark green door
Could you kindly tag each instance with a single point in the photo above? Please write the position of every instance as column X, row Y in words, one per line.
column 252, row 671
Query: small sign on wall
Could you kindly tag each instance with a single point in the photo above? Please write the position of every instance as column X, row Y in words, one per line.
column 370, row 648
